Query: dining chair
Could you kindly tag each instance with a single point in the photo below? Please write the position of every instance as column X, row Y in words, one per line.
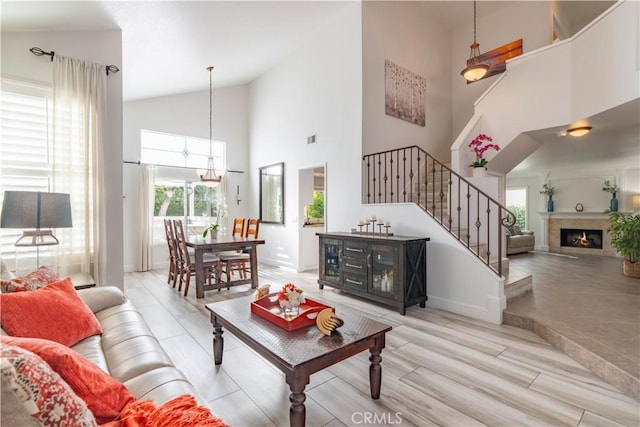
column 239, row 262
column 188, row 265
column 238, row 227
column 174, row 259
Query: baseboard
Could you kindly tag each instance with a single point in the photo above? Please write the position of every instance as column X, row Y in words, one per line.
column 469, row 310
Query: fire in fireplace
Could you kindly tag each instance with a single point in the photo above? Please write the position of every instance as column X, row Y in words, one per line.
column 575, row 238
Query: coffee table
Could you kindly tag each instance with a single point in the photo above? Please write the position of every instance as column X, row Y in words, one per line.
column 301, row 352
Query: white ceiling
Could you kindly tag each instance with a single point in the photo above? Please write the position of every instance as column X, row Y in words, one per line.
column 168, row 45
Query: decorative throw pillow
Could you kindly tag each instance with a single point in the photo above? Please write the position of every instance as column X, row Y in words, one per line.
column 516, row 230
column 32, row 281
column 54, row 312
column 105, row 396
column 45, row 395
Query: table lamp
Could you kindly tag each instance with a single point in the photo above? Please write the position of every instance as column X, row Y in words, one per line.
column 35, row 210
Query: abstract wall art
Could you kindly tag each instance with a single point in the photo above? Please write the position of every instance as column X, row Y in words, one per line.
column 405, row 94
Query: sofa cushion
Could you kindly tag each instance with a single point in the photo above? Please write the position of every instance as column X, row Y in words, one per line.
column 44, row 394
column 160, row 385
column 54, row 312
column 105, row 397
column 30, row 282
column 102, row 297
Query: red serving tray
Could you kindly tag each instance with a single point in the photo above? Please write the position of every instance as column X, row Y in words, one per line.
column 268, row 308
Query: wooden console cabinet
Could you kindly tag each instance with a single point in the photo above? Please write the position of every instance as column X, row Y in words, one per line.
column 388, row 269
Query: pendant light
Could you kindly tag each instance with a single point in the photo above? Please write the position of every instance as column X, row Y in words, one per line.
column 209, row 177
column 475, row 69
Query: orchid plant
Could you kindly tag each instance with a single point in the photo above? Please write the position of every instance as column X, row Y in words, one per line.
column 479, row 145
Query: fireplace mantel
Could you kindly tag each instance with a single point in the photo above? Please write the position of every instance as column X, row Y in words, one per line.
column 574, row 215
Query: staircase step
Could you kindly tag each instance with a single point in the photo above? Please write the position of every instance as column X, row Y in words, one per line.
column 517, row 284
column 505, row 266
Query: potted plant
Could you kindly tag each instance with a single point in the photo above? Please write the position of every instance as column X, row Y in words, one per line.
column 549, row 191
column 479, row 145
column 625, row 237
column 613, row 189
column 213, row 228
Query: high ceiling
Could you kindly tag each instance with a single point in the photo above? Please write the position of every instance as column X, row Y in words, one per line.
column 167, row 45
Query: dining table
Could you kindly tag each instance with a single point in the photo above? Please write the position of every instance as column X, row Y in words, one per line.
column 202, row 245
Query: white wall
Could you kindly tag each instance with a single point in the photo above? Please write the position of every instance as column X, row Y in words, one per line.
column 404, row 34
column 456, row 281
column 103, row 47
column 187, row 114
column 530, row 21
column 317, row 89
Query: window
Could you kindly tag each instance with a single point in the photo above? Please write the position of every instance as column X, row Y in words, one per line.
column 517, row 203
column 25, row 155
column 177, row 194
column 165, row 149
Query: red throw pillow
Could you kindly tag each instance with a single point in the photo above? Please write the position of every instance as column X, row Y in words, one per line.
column 104, row 396
column 44, row 394
column 54, row 312
column 32, row 281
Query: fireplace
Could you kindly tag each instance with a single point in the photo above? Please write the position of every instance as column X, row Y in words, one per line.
column 578, row 238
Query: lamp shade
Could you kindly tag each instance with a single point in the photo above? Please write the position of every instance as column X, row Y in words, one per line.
column 35, row 209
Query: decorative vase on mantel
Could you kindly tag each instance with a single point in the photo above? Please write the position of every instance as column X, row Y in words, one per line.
column 550, row 204
column 613, row 205
column 479, row 172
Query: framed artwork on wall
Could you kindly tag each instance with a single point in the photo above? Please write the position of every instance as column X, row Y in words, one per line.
column 404, row 96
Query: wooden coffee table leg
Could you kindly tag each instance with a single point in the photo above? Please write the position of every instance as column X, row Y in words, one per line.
column 375, row 370
column 218, row 341
column 297, row 410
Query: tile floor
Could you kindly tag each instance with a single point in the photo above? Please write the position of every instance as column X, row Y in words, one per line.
column 586, row 307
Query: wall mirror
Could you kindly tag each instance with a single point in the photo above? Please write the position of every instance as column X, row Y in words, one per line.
column 272, row 194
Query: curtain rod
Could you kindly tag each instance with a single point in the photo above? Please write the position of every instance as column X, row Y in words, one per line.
column 170, row 166
column 39, row 52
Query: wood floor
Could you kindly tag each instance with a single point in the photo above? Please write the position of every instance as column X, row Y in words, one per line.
column 438, row 368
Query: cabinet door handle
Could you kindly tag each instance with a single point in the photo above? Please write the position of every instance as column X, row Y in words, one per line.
column 355, row 282
column 354, row 250
column 353, row 266
column 369, row 260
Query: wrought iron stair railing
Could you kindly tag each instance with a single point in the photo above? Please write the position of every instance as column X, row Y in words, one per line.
column 411, row 175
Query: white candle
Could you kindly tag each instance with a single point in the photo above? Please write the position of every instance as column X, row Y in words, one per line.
column 373, row 218
column 387, row 224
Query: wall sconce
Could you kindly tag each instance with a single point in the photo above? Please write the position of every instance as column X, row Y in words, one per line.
column 635, row 202
column 238, row 199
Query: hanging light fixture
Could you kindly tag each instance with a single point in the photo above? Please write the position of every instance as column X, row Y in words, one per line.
column 475, row 69
column 579, row 131
column 210, row 177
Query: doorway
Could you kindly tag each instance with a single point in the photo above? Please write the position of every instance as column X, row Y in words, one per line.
column 312, row 212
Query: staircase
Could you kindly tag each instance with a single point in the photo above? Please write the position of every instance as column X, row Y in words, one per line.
column 411, row 175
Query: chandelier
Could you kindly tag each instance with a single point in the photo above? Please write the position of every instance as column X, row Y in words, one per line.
column 475, row 69
column 209, row 177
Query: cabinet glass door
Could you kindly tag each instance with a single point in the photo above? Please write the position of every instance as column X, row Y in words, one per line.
column 383, row 270
column 332, row 256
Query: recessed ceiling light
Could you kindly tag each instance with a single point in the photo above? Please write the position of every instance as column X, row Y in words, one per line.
column 579, row 131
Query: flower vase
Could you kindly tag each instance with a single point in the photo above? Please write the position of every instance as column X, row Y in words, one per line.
column 291, row 311
column 550, row 204
column 613, row 205
column 479, row 172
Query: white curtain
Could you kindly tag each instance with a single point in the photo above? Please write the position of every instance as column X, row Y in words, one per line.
column 146, row 193
column 79, row 111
